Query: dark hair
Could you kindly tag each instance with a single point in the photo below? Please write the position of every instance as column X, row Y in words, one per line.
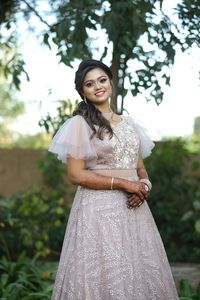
column 87, row 110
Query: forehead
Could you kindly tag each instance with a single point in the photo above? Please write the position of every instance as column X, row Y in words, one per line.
column 94, row 74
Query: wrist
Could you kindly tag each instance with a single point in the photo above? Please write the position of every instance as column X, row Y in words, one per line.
column 119, row 184
column 147, row 182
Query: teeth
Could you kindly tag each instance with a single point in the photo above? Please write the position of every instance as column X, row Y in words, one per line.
column 100, row 93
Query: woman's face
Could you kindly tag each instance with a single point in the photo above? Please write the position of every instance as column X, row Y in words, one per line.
column 97, row 86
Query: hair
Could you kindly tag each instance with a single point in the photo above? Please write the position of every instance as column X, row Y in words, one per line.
column 87, row 110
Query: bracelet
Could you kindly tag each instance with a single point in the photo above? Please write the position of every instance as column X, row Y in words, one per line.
column 147, row 182
column 112, row 180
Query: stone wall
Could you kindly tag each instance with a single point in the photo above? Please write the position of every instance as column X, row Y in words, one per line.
column 19, row 170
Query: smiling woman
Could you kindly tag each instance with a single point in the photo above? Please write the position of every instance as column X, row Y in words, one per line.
column 98, row 90
column 112, row 249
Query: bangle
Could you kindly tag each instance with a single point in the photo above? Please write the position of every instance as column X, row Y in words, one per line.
column 112, row 180
column 147, row 182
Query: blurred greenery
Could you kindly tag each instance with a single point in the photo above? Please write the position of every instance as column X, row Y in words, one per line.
column 175, row 174
column 187, row 292
column 10, row 108
column 146, row 35
column 23, row 280
column 64, row 112
column 38, row 217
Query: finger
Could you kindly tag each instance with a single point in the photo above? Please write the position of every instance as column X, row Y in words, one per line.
column 136, row 203
column 140, row 204
column 141, row 195
column 132, row 198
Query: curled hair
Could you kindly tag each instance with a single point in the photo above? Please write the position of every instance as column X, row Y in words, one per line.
column 87, row 110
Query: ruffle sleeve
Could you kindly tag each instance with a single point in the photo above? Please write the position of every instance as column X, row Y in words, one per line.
column 146, row 143
column 73, row 140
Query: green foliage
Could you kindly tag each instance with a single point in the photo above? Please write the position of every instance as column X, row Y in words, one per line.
column 194, row 143
column 197, row 126
column 33, row 221
column 194, row 213
column 23, row 280
column 186, row 291
column 12, row 65
column 37, row 217
column 64, row 112
column 11, row 69
column 76, row 28
column 53, row 172
column 173, row 195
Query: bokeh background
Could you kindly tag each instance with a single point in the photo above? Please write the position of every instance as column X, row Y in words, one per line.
column 152, row 48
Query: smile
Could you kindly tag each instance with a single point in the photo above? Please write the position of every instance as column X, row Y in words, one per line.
column 99, row 93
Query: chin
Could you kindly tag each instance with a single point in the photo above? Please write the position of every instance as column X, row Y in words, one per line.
column 100, row 101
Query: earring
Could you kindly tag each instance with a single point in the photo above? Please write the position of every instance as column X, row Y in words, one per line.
column 85, row 100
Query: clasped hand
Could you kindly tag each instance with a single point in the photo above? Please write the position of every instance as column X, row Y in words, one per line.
column 138, row 195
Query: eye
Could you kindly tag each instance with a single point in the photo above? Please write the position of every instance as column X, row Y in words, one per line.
column 88, row 84
column 102, row 80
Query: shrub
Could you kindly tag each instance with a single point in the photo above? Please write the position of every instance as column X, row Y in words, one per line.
column 186, row 292
column 173, row 194
column 22, row 280
column 33, row 221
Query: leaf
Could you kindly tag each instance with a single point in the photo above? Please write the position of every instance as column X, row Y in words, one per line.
column 196, row 205
column 187, row 215
column 185, row 288
column 197, row 226
column 46, row 40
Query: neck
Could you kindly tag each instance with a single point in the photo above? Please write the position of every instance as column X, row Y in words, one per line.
column 104, row 109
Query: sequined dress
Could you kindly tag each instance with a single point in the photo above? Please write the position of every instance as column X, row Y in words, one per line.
column 109, row 251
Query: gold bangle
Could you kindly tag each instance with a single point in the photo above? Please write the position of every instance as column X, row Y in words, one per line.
column 112, row 180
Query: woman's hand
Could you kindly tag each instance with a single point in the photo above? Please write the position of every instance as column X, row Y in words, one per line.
column 135, row 201
column 138, row 188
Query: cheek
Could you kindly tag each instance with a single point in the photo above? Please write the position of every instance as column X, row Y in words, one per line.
column 86, row 91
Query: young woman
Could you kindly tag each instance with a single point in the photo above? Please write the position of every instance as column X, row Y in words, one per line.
column 112, row 249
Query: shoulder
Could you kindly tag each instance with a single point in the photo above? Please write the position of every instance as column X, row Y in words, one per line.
column 75, row 122
column 132, row 121
column 75, row 119
column 146, row 143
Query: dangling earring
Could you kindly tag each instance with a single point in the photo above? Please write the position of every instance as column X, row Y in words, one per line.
column 85, row 100
column 109, row 100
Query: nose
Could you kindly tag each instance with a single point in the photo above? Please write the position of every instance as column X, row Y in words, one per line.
column 97, row 85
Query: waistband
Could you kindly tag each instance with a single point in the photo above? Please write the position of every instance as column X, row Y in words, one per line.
column 121, row 173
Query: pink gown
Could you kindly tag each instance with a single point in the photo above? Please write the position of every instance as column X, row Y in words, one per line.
column 109, row 252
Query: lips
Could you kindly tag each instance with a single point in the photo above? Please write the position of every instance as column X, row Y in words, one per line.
column 99, row 93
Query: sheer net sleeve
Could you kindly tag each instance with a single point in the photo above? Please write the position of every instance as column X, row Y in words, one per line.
column 73, row 140
column 146, row 143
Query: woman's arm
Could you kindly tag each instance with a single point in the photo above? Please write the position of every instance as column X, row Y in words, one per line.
column 79, row 175
column 133, row 200
column 141, row 171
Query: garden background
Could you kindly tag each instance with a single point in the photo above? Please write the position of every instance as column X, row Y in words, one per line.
column 35, row 193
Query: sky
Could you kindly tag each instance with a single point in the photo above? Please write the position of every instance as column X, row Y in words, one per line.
column 51, row 81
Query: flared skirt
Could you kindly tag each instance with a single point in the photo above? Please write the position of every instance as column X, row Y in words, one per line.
column 111, row 252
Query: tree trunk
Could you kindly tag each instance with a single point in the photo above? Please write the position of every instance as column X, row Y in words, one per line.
column 115, row 69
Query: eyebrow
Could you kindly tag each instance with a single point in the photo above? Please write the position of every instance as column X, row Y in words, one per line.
column 95, row 80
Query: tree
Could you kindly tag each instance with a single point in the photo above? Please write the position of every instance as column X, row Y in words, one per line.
column 11, row 68
column 138, row 33
column 10, row 108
